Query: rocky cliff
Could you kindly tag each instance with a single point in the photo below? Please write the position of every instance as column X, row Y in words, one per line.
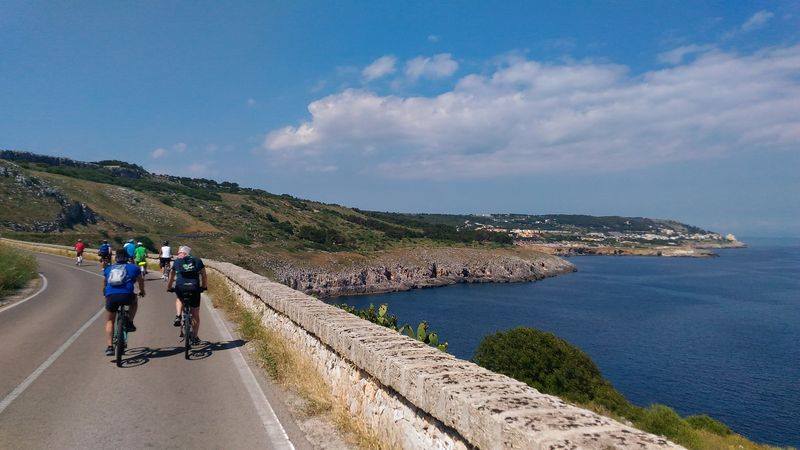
column 404, row 270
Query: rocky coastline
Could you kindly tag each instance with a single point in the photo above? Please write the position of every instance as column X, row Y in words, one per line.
column 700, row 250
column 423, row 268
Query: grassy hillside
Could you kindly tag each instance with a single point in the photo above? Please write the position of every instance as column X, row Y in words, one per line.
column 58, row 200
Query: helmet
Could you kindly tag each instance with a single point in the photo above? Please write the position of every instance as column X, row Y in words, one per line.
column 139, row 243
column 130, row 240
column 80, row 240
column 105, row 241
column 165, row 243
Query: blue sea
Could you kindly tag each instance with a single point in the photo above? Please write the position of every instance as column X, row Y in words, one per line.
column 719, row 336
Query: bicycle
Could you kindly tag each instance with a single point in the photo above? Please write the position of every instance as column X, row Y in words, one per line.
column 186, row 323
column 167, row 267
column 120, row 339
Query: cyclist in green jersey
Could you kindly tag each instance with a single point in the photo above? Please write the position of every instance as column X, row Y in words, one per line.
column 140, row 257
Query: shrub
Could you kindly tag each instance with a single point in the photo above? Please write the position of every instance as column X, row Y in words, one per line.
column 553, row 366
column 244, row 240
column 147, row 242
column 704, row 422
column 16, row 268
column 543, row 361
column 663, row 420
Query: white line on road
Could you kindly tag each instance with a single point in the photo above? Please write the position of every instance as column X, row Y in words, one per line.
column 36, row 373
column 32, row 377
column 277, row 434
column 44, row 286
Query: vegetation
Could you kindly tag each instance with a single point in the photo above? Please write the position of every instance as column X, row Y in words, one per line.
column 554, row 366
column 382, row 317
column 16, row 269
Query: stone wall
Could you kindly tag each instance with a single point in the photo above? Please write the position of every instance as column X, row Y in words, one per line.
column 417, row 397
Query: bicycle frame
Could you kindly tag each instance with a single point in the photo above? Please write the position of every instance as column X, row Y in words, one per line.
column 120, row 339
column 186, row 328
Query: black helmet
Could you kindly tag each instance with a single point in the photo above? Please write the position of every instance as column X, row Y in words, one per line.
column 166, row 243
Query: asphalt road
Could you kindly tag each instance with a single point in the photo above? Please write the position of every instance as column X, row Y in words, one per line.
column 59, row 390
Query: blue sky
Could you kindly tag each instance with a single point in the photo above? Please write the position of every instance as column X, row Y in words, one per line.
column 685, row 110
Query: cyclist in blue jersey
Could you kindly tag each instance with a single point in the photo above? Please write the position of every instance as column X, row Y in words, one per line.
column 118, row 289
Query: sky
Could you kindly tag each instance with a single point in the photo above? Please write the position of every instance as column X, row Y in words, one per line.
column 684, row 109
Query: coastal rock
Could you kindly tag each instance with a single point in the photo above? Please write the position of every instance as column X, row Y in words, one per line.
column 422, row 268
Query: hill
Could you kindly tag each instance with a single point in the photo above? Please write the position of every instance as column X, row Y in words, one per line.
column 324, row 248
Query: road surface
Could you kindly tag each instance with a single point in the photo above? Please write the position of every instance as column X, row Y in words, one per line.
column 59, row 390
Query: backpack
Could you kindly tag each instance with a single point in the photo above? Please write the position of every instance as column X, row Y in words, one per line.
column 103, row 250
column 118, row 275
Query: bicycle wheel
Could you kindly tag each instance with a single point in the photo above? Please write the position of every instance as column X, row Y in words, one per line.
column 119, row 332
column 187, row 334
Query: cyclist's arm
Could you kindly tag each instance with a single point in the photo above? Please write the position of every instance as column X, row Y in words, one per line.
column 104, row 286
column 203, row 279
column 171, row 279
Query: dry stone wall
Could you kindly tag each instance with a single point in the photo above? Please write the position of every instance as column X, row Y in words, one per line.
column 415, row 396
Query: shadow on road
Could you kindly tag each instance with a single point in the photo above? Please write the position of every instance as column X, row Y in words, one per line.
column 139, row 356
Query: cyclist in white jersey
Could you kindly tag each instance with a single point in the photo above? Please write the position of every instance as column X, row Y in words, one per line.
column 164, row 259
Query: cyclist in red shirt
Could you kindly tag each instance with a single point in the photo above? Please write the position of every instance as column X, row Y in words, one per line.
column 79, row 248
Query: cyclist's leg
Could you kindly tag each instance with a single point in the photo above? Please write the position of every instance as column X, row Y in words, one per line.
column 196, row 321
column 134, row 306
column 110, row 316
column 194, row 304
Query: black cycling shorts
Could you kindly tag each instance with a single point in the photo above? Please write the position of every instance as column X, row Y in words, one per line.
column 163, row 262
column 114, row 300
column 192, row 298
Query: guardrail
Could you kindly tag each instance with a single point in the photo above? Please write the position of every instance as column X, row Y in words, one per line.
column 416, row 396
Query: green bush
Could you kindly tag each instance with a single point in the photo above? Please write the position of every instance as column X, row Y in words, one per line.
column 543, row 361
column 16, row 268
column 554, row 366
column 147, row 242
column 704, row 422
column 663, row 420
column 244, row 240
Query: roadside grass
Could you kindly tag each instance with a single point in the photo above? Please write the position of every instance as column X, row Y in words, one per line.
column 289, row 368
column 16, row 269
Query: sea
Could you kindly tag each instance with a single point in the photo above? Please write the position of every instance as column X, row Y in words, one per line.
column 719, row 336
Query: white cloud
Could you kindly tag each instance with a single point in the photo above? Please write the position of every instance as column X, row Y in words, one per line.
column 677, row 55
column 433, row 38
column 379, row 68
column 158, row 153
column 530, row 117
column 757, row 20
column 199, row 169
column 439, row 66
column 180, row 147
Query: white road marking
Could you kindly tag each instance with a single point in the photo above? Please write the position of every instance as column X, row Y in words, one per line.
column 277, row 434
column 44, row 286
column 33, row 376
column 36, row 373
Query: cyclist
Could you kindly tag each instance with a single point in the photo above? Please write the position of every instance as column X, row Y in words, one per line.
column 104, row 252
column 79, row 248
column 188, row 275
column 164, row 258
column 140, row 257
column 118, row 287
column 130, row 249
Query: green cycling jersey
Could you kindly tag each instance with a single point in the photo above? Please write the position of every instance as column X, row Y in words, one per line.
column 140, row 254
